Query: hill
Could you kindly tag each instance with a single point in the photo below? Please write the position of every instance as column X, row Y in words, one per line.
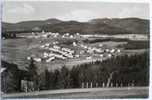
column 94, row 26
column 27, row 25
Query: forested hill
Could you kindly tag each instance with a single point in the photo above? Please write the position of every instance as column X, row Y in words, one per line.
column 98, row 26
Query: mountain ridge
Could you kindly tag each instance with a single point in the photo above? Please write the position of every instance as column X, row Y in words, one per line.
column 98, row 26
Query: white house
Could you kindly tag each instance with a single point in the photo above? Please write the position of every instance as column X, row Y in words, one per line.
column 68, row 50
column 77, row 56
column 67, row 34
column 50, row 59
column 100, row 45
column 118, row 50
column 56, row 47
column 101, row 55
column 112, row 51
column 71, row 36
column 45, row 55
column 28, row 58
column 59, row 56
column 42, row 46
column 107, row 50
column 68, row 55
column 37, row 59
column 109, row 55
column 47, row 44
column 74, row 44
column 50, row 54
column 77, row 33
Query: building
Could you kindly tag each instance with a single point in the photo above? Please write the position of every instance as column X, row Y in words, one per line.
column 50, row 59
column 37, row 59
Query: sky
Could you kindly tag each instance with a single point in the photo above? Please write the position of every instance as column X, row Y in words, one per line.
column 13, row 11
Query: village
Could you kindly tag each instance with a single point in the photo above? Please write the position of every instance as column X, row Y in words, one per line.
column 56, row 50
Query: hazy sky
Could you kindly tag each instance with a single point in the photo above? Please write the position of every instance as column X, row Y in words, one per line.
column 80, row 11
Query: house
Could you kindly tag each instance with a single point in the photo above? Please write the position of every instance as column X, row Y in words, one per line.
column 37, row 59
column 59, row 56
column 77, row 33
column 67, row 34
column 118, row 50
column 74, row 44
column 45, row 55
column 45, row 35
column 50, row 54
column 68, row 50
column 50, row 59
column 56, row 47
column 101, row 55
column 54, row 50
column 109, row 55
column 100, row 45
column 71, row 36
column 77, row 56
column 47, row 44
column 42, row 46
column 68, row 55
column 97, row 50
column 28, row 58
column 107, row 50
column 112, row 51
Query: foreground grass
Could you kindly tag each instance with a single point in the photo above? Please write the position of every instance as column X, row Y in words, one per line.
column 90, row 93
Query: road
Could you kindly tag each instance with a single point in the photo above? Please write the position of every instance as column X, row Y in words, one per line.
column 88, row 93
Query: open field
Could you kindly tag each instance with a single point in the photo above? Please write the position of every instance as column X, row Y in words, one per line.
column 17, row 50
column 90, row 93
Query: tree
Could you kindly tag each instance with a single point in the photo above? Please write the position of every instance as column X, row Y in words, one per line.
column 33, row 75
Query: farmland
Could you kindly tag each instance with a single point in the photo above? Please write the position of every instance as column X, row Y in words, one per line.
column 32, row 45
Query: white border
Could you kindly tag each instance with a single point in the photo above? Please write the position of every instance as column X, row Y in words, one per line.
column 111, row 1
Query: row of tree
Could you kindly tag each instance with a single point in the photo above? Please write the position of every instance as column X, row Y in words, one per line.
column 118, row 70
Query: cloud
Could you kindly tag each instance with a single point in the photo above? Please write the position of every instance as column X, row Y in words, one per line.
column 24, row 9
column 79, row 15
column 132, row 11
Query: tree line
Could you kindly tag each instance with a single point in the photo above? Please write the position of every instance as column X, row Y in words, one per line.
column 121, row 70
column 117, row 71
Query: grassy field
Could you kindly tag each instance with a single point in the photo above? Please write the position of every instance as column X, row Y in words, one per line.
column 89, row 93
column 17, row 50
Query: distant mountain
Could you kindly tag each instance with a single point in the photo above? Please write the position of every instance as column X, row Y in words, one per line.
column 28, row 25
column 133, row 25
column 94, row 26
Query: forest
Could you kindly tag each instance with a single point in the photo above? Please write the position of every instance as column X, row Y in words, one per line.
column 119, row 71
